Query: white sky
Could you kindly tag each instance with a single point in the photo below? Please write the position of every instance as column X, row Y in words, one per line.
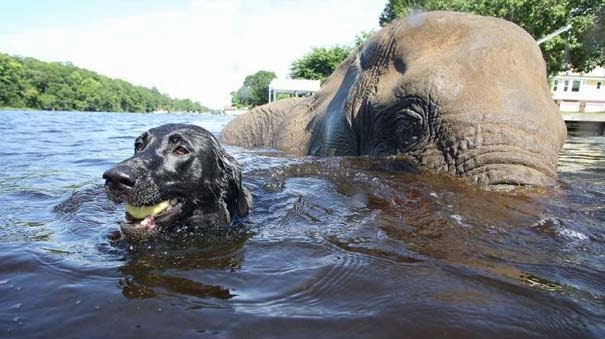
column 200, row 49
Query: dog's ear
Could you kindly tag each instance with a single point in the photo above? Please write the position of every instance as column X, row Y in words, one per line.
column 241, row 195
column 239, row 199
column 244, row 201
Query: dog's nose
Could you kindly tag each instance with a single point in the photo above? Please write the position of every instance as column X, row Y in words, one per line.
column 119, row 177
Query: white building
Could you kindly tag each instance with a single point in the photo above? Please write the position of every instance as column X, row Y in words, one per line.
column 234, row 111
column 292, row 87
column 580, row 92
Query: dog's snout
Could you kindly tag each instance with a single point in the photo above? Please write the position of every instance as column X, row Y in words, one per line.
column 119, row 177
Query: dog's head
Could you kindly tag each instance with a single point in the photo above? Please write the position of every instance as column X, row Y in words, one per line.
column 179, row 175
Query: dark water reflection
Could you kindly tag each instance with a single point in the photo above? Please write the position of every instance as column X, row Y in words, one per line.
column 343, row 247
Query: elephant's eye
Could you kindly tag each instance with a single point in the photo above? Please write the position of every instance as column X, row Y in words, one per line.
column 410, row 129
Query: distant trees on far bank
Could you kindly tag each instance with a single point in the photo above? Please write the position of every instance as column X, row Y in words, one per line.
column 31, row 83
column 254, row 91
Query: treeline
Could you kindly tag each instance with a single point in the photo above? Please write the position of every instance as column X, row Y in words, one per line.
column 31, row 83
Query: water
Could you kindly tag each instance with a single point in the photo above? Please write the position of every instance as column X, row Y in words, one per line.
column 339, row 247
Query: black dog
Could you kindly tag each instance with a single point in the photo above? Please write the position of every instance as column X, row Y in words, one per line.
column 179, row 176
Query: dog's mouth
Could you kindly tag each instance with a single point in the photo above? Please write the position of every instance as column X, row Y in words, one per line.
column 142, row 220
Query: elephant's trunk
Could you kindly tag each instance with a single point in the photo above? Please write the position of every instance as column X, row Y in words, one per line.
column 504, row 165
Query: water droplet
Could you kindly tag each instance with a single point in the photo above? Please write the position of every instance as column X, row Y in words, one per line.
column 458, row 220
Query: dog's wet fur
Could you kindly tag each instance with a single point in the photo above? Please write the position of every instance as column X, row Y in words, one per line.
column 183, row 164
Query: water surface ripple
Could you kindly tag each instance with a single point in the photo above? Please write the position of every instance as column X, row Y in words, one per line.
column 337, row 247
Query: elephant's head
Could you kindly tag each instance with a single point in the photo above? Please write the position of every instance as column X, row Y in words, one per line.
column 455, row 93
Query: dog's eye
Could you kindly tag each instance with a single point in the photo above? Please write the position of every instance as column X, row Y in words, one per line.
column 138, row 146
column 180, row 151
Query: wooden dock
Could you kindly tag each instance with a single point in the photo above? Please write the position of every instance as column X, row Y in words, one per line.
column 584, row 124
column 585, row 117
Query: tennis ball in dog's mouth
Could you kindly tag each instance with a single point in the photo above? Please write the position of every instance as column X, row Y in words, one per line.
column 145, row 211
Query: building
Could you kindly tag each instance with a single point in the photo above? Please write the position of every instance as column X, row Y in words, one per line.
column 234, row 111
column 580, row 92
column 292, row 87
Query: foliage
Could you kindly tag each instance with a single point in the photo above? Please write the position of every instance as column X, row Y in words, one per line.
column 254, row 91
column 538, row 17
column 594, row 40
column 395, row 9
column 30, row 83
column 319, row 63
column 362, row 37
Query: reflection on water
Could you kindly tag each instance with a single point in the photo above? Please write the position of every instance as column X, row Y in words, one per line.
column 334, row 247
column 584, row 157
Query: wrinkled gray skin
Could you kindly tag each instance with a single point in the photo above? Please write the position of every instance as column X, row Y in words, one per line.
column 455, row 93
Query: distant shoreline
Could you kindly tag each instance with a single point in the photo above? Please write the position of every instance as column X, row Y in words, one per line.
column 17, row 109
column 77, row 111
column 28, row 82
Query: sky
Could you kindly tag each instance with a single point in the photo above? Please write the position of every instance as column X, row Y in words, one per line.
column 197, row 49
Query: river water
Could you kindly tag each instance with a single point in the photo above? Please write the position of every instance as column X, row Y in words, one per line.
column 338, row 247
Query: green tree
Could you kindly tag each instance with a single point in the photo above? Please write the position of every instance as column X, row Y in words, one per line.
column 31, row 83
column 362, row 37
column 90, row 94
column 538, row 17
column 594, row 40
column 395, row 9
column 254, row 91
column 319, row 63
column 11, row 82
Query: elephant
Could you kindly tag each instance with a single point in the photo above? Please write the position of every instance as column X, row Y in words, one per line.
column 450, row 92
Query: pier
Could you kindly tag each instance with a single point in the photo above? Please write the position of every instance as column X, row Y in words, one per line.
column 584, row 123
column 586, row 117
